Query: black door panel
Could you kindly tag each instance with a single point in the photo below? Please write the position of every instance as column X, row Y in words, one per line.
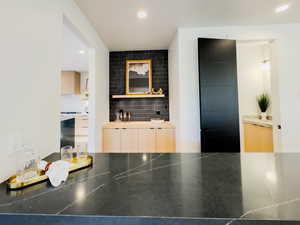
column 218, row 96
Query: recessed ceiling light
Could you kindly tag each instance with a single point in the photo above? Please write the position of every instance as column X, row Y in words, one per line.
column 282, row 8
column 81, row 52
column 142, row 14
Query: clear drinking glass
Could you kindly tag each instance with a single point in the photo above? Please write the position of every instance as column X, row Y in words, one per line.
column 27, row 160
column 82, row 150
column 75, row 153
column 66, row 153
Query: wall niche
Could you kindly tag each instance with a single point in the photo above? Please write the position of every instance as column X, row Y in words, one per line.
column 142, row 109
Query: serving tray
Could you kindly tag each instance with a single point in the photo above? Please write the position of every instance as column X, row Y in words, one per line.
column 77, row 165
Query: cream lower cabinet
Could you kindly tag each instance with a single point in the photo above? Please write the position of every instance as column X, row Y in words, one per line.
column 112, row 140
column 147, row 142
column 165, row 140
column 143, row 140
column 129, row 140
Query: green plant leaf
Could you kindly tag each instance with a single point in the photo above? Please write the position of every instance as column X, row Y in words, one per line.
column 263, row 101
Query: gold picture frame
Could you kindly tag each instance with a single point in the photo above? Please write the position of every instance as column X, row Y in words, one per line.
column 135, row 68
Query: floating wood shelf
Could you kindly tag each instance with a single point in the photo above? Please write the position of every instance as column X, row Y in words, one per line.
column 138, row 96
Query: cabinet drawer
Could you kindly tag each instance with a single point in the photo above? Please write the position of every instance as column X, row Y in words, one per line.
column 82, row 131
column 81, row 123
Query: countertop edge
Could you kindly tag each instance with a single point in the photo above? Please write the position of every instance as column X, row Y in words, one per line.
column 256, row 121
column 51, row 219
column 138, row 125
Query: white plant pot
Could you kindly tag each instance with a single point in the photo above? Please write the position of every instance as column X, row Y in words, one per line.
column 263, row 116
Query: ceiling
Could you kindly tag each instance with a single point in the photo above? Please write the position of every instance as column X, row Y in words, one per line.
column 119, row 27
column 75, row 51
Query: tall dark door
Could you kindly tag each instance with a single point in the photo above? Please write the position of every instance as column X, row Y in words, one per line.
column 218, row 96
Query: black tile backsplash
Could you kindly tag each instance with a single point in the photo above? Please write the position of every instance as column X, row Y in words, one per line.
column 142, row 109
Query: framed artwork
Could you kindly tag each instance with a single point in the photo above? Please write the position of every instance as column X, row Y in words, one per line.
column 138, row 77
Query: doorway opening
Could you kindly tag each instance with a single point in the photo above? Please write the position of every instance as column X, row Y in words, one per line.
column 76, row 94
column 233, row 76
column 257, row 78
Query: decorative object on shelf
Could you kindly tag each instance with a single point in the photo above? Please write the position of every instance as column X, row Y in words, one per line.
column 123, row 116
column 138, row 77
column 157, row 92
column 118, row 114
column 157, row 111
column 263, row 102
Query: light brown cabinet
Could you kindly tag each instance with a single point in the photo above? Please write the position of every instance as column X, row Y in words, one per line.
column 164, row 140
column 258, row 138
column 112, row 140
column 133, row 139
column 70, row 82
column 147, row 140
column 129, row 140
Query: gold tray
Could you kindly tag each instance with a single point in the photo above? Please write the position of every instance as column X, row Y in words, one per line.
column 13, row 184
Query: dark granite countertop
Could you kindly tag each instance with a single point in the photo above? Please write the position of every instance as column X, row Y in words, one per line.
column 216, row 188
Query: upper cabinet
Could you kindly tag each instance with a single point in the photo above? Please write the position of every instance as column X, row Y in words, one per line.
column 70, row 82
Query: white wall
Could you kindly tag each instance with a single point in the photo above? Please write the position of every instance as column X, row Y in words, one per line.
column 71, row 103
column 288, row 48
column 31, row 42
column 183, row 103
column 173, row 83
column 252, row 79
column 98, row 69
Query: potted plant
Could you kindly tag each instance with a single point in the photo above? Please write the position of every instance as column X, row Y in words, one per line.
column 263, row 102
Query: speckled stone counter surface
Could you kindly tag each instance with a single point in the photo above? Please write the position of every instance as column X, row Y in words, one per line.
column 165, row 189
